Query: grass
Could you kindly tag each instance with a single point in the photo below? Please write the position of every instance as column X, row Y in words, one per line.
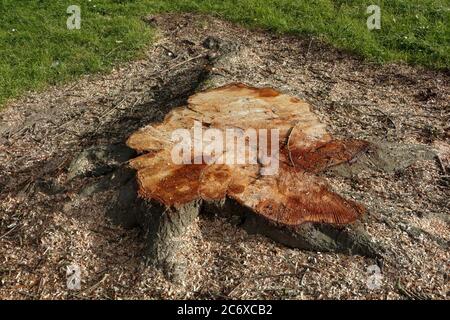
column 37, row 49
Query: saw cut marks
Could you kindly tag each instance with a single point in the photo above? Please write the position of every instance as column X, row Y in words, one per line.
column 295, row 194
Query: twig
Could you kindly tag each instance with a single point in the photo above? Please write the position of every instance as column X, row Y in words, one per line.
column 306, row 266
column 354, row 80
column 409, row 294
column 387, row 117
column 184, row 62
column 279, row 275
column 309, row 47
column 8, row 232
column 167, row 49
column 441, row 164
column 94, row 286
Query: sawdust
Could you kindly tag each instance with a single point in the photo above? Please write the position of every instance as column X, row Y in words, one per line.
column 45, row 224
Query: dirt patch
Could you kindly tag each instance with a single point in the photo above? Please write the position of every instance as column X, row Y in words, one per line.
column 48, row 221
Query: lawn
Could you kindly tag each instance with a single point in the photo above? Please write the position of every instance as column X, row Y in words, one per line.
column 37, row 49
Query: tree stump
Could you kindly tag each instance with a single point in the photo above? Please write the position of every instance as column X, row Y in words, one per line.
column 280, row 196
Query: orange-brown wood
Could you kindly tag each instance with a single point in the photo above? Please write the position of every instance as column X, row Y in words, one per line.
column 293, row 196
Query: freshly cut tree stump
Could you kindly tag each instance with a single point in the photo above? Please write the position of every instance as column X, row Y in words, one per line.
column 280, row 196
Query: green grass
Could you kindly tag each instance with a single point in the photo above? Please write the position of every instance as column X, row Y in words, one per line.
column 37, row 49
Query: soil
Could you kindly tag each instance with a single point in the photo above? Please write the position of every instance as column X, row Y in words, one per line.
column 53, row 213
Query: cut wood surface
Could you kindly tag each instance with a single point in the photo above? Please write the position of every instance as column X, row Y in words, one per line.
column 292, row 196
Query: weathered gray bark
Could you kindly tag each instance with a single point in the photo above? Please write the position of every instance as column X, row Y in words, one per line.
column 164, row 226
column 348, row 239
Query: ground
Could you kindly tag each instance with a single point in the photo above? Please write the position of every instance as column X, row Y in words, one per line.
column 48, row 221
